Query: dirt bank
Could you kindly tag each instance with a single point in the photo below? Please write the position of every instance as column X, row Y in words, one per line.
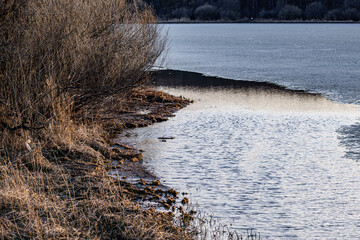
column 59, row 187
column 143, row 107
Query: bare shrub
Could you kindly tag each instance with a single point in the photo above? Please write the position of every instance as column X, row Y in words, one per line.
column 290, row 12
column 315, row 10
column 352, row 4
column 70, row 52
column 59, row 60
column 206, row 12
column 182, row 12
column 352, row 14
column 268, row 14
column 229, row 14
column 335, row 14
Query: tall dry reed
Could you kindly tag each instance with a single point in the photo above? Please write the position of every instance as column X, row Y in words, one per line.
column 71, row 52
column 58, row 60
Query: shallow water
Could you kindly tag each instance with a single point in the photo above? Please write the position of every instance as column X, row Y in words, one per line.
column 286, row 165
column 256, row 163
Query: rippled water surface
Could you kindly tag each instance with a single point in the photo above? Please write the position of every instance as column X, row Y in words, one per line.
column 285, row 165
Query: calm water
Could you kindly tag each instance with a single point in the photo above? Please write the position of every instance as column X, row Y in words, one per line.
column 315, row 57
column 284, row 165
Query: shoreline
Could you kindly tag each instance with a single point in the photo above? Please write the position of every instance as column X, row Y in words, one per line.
column 152, row 106
column 180, row 78
column 68, row 185
column 152, row 194
column 257, row 21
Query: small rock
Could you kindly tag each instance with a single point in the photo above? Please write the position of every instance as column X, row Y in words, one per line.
column 130, row 125
column 170, row 200
column 185, row 201
column 173, row 192
column 149, row 189
column 167, row 206
column 166, row 138
column 156, row 183
column 142, row 181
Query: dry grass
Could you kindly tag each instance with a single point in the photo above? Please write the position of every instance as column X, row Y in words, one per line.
column 72, row 52
column 40, row 200
column 59, row 61
column 61, row 190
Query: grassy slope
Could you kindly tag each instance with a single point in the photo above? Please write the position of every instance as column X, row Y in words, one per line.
column 63, row 190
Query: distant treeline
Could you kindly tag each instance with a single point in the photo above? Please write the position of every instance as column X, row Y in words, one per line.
column 207, row 10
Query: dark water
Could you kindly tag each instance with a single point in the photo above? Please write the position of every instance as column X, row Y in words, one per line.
column 321, row 58
column 283, row 163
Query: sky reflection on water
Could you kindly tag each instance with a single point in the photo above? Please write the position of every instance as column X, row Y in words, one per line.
column 268, row 162
column 283, row 164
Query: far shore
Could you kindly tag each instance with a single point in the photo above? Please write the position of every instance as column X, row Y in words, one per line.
column 179, row 21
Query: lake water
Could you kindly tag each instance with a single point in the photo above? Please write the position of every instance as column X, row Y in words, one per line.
column 284, row 165
column 315, row 57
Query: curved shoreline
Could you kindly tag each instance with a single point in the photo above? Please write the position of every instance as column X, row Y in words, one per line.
column 180, row 173
column 152, row 106
column 141, row 109
column 179, row 78
column 259, row 21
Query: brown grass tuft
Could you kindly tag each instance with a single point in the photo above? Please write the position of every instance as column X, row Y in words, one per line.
column 59, row 61
column 70, row 54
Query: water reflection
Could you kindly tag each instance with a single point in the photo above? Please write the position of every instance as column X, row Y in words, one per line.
column 267, row 160
column 322, row 58
column 350, row 139
column 177, row 78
